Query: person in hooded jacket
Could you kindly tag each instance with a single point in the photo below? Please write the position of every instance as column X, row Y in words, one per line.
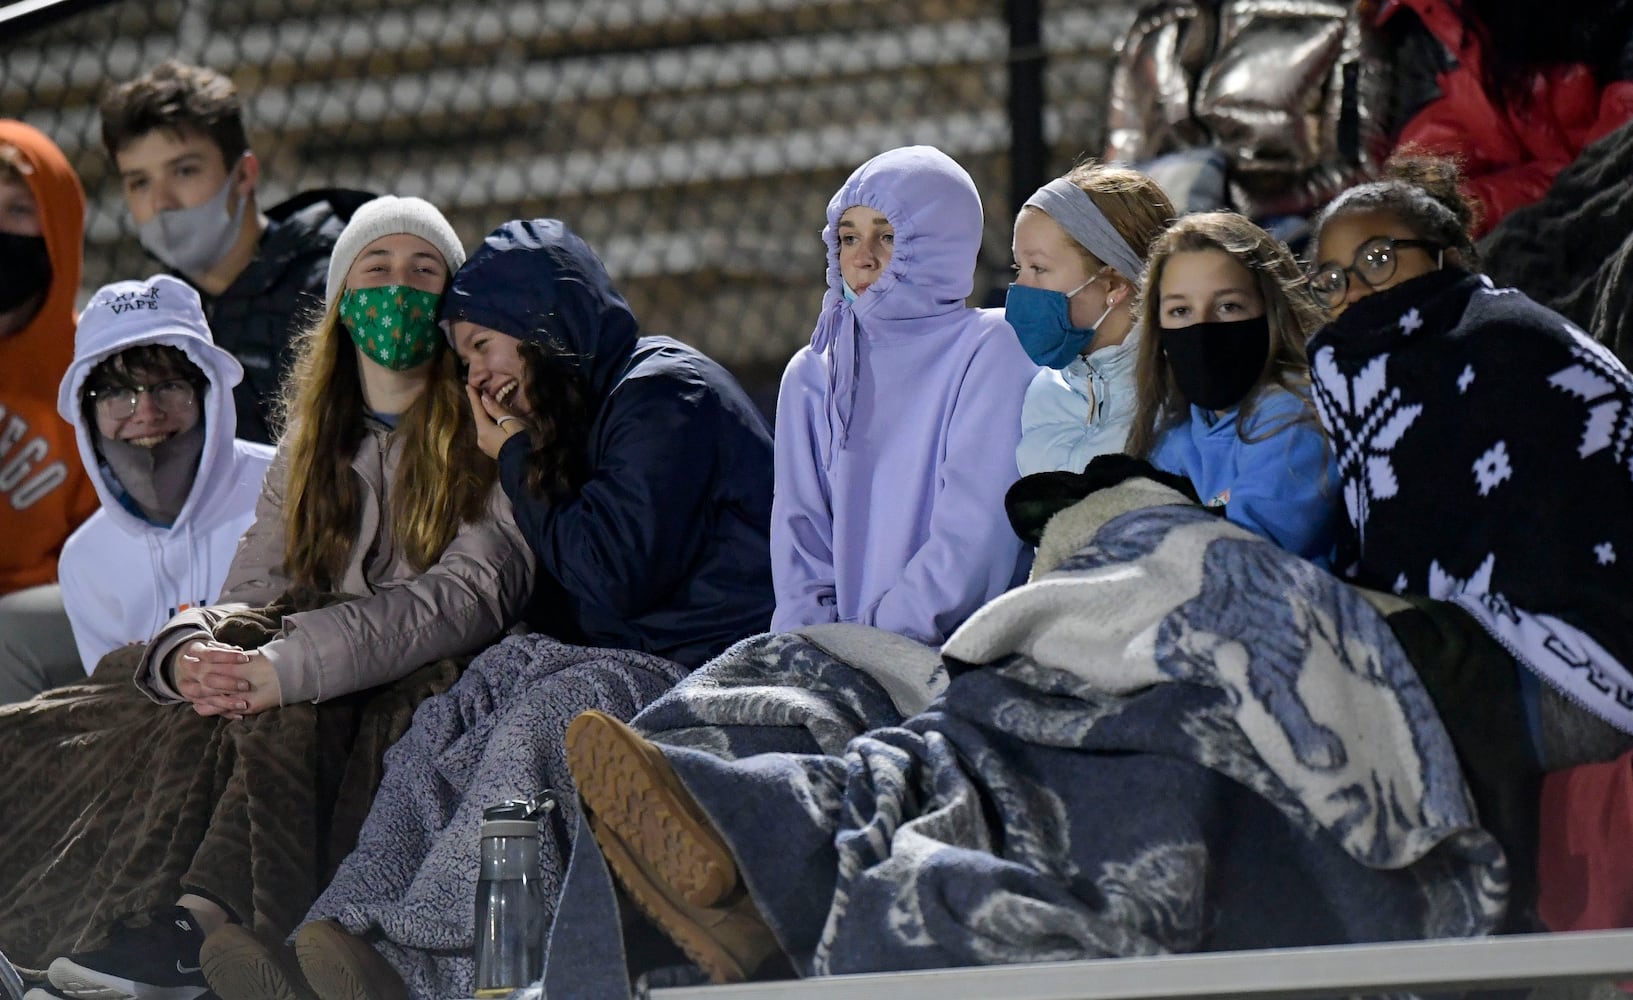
column 178, row 142
column 637, row 467
column 640, row 473
column 44, row 491
column 150, row 397
column 897, row 425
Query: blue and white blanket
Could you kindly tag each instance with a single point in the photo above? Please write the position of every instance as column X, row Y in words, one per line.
column 1177, row 738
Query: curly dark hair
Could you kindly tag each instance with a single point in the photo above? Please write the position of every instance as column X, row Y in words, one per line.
column 1423, row 192
column 559, row 424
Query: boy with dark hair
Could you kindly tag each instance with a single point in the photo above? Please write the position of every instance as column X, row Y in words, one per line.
column 176, row 135
column 148, row 394
column 44, row 491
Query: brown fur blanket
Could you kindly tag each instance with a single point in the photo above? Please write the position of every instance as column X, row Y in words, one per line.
column 114, row 804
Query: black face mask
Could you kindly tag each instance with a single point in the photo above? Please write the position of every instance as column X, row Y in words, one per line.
column 1217, row 364
column 25, row 269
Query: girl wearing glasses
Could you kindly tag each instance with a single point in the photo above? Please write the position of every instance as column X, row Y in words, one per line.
column 150, row 396
column 1222, row 379
column 1484, row 446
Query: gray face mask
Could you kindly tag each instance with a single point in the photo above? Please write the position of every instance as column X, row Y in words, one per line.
column 158, row 479
column 193, row 240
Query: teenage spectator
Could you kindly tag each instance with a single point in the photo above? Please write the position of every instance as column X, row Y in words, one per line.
column 1224, row 384
column 638, row 469
column 1080, row 248
column 177, row 138
column 1480, row 441
column 44, row 491
column 640, row 473
column 149, row 395
column 897, row 425
column 381, row 545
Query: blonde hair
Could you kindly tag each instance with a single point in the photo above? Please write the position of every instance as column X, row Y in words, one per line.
column 1134, row 204
column 1291, row 314
column 440, row 481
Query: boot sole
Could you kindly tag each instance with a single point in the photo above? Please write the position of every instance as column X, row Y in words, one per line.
column 239, row 966
column 608, row 763
column 332, row 962
column 699, row 945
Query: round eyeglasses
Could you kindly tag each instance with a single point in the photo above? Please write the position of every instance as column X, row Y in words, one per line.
column 1374, row 263
column 119, row 402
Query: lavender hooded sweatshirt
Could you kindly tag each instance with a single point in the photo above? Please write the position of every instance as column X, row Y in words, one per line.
column 897, row 426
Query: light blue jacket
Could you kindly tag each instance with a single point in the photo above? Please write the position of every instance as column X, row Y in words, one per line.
column 1086, row 409
column 1284, row 487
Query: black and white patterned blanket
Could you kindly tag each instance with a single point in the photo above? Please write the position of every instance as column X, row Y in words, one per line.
column 1485, row 445
column 1180, row 738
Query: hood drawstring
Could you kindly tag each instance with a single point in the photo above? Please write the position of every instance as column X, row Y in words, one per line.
column 837, row 339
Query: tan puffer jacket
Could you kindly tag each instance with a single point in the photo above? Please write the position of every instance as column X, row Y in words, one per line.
column 402, row 619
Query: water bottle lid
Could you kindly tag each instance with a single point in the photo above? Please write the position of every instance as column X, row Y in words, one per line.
column 517, row 817
column 510, row 828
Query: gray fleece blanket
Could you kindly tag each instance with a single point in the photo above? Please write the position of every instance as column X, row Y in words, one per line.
column 410, row 885
column 1178, row 738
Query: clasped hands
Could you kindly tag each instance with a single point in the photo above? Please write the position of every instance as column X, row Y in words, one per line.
column 219, row 679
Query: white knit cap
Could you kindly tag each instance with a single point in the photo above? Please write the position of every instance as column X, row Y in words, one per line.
column 388, row 215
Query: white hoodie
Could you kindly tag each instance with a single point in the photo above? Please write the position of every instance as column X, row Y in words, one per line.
column 122, row 577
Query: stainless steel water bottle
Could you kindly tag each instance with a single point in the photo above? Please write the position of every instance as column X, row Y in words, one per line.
column 510, row 904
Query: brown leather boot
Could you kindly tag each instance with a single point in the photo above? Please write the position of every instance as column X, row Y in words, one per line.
column 663, row 849
column 342, row 966
column 238, row 965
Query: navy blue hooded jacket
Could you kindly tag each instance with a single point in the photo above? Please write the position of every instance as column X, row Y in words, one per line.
column 666, row 547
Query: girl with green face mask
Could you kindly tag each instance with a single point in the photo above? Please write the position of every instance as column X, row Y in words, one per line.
column 389, row 305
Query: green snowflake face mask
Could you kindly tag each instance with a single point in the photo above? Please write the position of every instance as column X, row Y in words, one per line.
column 395, row 326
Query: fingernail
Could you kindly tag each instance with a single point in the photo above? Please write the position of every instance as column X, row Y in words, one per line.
column 243, row 685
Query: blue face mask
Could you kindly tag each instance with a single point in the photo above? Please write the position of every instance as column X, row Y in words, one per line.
column 845, row 286
column 1041, row 319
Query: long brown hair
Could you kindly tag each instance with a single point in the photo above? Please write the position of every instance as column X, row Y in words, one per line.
column 442, row 478
column 1291, row 313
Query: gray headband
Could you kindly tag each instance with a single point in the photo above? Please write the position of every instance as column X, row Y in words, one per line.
column 1083, row 221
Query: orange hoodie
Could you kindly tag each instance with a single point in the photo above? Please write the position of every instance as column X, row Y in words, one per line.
column 44, row 491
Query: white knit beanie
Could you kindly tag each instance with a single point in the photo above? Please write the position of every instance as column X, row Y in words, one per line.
column 388, row 215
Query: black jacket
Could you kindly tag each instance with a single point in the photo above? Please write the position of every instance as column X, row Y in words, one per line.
column 281, row 290
column 666, row 548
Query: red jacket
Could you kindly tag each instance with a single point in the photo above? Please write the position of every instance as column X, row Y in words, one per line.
column 1510, row 155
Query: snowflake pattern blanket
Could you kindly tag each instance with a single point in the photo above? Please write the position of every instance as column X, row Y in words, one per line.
column 1180, row 738
column 1485, row 445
